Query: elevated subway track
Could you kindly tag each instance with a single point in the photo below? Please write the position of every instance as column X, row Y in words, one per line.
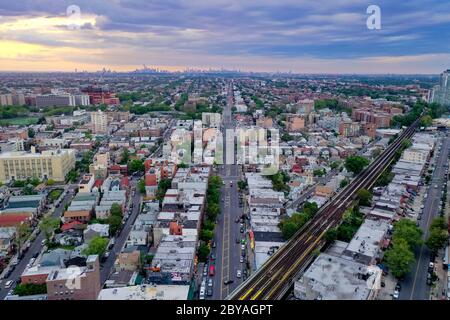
column 277, row 275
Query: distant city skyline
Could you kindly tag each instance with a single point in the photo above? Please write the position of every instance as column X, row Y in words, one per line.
column 301, row 36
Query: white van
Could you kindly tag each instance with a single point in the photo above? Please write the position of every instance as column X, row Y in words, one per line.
column 8, row 284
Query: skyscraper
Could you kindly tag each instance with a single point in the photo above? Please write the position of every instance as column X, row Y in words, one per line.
column 441, row 92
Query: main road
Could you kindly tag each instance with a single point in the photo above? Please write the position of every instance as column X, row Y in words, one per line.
column 227, row 251
column 36, row 245
column 414, row 286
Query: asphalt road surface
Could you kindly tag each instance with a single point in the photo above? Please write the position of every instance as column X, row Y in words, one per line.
column 227, row 251
column 36, row 248
column 414, row 286
column 106, row 267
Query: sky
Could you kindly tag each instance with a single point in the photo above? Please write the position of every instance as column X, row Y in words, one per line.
column 302, row 36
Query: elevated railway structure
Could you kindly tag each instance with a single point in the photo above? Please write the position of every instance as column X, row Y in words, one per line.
column 277, row 275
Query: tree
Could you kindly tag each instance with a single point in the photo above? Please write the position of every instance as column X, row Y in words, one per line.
column 437, row 239
column 208, row 225
column 364, row 197
column 319, row 172
column 212, row 210
column 125, row 156
column 97, row 246
column 72, row 176
column 183, row 165
column 48, row 226
column 23, row 231
column 203, row 252
column 331, row 235
column 114, row 222
column 438, row 235
column 116, row 210
column 288, row 229
column 291, row 225
column 206, row 235
column 50, row 182
column 279, row 181
column 286, row 137
column 310, row 209
column 28, row 289
column 141, row 186
column 426, row 121
column 335, row 165
column 163, row 186
column 399, row 258
column 343, row 183
column 356, row 164
column 407, row 230
column 242, row 184
column 136, row 166
column 31, row 133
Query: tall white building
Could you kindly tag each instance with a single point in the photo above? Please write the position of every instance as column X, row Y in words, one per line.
column 99, row 121
column 441, row 93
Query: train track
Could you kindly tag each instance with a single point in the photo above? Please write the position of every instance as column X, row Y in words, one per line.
column 277, row 275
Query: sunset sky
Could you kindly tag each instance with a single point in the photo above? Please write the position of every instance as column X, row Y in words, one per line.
column 307, row 36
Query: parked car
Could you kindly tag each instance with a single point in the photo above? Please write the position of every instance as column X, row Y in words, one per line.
column 8, row 284
column 210, row 282
column 238, row 273
column 242, row 230
column 396, row 294
column 241, row 259
column 398, row 286
column 242, row 247
column 209, row 292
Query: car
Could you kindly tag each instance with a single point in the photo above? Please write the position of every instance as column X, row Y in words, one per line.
column 241, row 225
column 205, row 271
column 210, row 282
column 227, row 282
column 242, row 230
column 8, row 284
column 431, row 266
column 245, row 272
column 212, row 257
column 209, row 292
column 202, row 294
column 212, row 271
column 398, row 286
column 214, row 244
column 237, row 220
column 237, row 240
column 396, row 294
column 243, row 253
column 243, row 241
column 435, row 186
column 242, row 246
column 238, row 273
column 43, row 242
column 241, row 259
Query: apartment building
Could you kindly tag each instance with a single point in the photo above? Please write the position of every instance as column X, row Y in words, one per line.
column 50, row 164
column 99, row 121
